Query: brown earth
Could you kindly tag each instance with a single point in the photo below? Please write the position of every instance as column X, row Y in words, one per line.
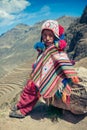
column 10, row 87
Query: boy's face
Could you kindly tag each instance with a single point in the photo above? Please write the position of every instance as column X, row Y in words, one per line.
column 47, row 37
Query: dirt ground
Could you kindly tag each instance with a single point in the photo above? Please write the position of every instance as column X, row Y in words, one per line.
column 39, row 120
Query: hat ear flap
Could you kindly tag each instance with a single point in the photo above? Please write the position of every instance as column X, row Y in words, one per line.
column 62, row 37
column 61, row 30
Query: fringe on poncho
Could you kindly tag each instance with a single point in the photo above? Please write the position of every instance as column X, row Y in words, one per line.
column 52, row 68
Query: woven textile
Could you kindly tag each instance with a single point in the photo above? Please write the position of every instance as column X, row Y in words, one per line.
column 51, row 69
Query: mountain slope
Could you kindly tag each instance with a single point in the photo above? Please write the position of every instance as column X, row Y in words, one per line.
column 16, row 46
column 77, row 37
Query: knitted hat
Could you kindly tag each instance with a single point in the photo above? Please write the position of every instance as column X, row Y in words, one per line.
column 51, row 25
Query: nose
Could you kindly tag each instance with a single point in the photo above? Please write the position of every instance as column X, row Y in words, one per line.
column 47, row 37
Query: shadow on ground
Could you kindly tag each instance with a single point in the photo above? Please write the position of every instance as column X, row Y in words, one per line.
column 42, row 111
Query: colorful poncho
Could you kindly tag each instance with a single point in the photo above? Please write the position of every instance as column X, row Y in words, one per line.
column 52, row 67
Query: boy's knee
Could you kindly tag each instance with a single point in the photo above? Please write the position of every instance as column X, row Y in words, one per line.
column 30, row 85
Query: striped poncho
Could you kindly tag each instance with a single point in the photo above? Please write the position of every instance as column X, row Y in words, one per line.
column 51, row 69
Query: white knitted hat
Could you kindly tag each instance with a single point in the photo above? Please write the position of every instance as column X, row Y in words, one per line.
column 51, row 25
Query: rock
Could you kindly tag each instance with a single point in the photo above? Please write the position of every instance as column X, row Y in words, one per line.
column 76, row 36
column 83, row 18
column 78, row 97
column 78, row 101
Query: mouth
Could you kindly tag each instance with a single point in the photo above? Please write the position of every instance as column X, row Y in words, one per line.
column 48, row 43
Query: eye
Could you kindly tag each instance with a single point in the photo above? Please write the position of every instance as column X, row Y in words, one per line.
column 44, row 35
column 50, row 35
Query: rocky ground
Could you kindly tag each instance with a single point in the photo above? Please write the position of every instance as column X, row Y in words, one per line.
column 38, row 120
column 10, row 87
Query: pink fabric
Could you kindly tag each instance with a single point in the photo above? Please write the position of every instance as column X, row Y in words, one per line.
column 28, row 98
